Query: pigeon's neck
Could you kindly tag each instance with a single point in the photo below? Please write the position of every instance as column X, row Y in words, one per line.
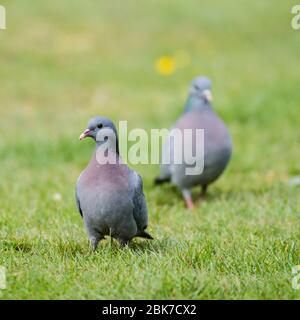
column 194, row 102
column 108, row 145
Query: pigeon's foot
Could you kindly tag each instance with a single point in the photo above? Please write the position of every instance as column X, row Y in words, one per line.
column 123, row 243
column 190, row 205
column 188, row 200
column 94, row 240
column 94, row 245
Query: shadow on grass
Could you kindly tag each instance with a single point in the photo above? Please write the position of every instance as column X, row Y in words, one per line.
column 151, row 246
column 72, row 249
column 23, row 246
column 111, row 246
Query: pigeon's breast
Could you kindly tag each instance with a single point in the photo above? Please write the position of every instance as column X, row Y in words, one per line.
column 104, row 190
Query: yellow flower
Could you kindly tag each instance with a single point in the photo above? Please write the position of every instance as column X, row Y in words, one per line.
column 165, row 65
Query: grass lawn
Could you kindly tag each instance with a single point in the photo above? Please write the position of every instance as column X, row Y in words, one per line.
column 63, row 62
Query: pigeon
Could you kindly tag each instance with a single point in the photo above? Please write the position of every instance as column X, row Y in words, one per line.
column 198, row 114
column 109, row 195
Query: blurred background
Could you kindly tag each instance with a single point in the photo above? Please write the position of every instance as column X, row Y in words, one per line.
column 63, row 62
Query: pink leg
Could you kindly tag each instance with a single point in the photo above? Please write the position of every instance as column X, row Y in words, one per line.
column 188, row 199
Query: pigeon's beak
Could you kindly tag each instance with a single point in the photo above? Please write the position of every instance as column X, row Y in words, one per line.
column 207, row 95
column 84, row 134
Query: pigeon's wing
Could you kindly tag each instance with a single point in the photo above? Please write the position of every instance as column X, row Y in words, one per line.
column 78, row 203
column 140, row 211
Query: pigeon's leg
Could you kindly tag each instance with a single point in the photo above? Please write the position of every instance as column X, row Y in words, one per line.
column 188, row 199
column 94, row 234
column 94, row 240
column 203, row 192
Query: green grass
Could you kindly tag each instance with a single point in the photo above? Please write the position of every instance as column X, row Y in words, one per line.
column 61, row 63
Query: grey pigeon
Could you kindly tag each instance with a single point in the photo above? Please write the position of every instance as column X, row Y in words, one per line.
column 198, row 114
column 109, row 195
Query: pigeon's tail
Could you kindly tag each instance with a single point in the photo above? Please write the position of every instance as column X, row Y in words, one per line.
column 159, row 180
column 144, row 234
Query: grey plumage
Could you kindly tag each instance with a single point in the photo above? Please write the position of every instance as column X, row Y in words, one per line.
column 110, row 196
column 198, row 114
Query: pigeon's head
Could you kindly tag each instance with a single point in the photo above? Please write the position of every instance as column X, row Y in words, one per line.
column 102, row 130
column 201, row 88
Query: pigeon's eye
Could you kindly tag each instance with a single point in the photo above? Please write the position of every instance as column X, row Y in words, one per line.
column 105, row 138
column 100, row 125
column 196, row 87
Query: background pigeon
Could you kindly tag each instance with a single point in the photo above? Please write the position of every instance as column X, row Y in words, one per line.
column 198, row 114
column 110, row 196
